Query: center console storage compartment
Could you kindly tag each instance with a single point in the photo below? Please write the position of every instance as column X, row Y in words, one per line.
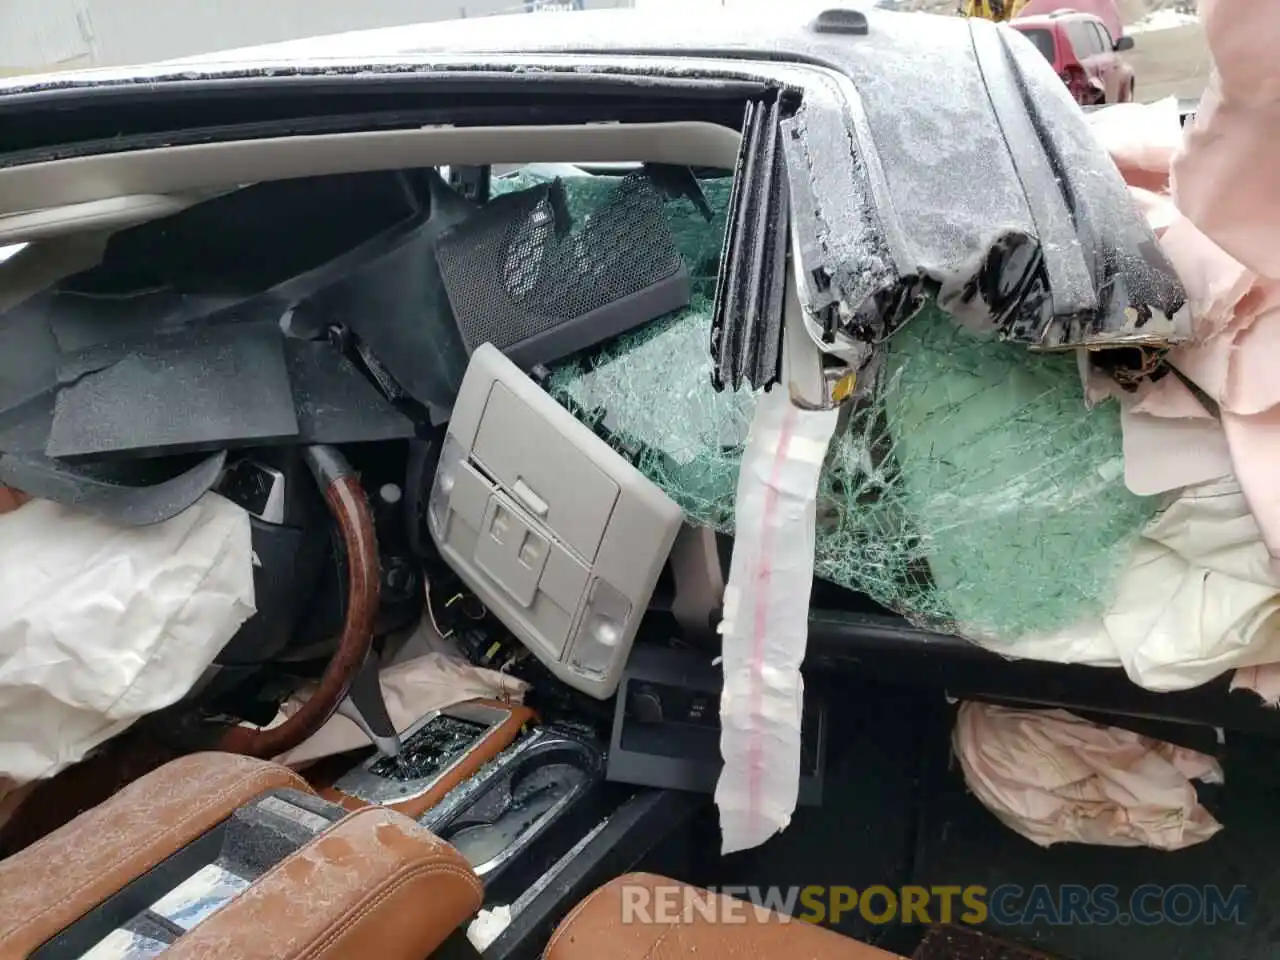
column 526, row 809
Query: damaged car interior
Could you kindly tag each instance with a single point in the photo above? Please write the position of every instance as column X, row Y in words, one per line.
column 442, row 494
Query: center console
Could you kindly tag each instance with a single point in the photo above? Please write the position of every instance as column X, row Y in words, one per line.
column 524, row 810
column 151, row 913
column 511, row 797
column 442, row 750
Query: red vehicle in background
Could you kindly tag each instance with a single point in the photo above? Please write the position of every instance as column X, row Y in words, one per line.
column 1085, row 54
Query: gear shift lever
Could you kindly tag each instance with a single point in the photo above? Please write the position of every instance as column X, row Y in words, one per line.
column 364, row 706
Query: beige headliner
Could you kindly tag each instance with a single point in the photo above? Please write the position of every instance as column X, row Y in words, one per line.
column 177, row 170
column 44, row 195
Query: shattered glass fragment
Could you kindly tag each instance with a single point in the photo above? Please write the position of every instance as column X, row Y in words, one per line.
column 971, row 490
column 975, row 492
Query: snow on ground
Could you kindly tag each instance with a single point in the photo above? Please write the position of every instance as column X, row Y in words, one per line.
column 1162, row 20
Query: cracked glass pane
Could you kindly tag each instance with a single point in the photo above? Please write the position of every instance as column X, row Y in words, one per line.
column 972, row 491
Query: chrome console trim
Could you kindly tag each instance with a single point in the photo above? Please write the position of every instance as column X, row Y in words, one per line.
column 363, row 784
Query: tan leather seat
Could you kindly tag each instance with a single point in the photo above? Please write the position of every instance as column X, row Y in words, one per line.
column 374, row 884
column 644, row 917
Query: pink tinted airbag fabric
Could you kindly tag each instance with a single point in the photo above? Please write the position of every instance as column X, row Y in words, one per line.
column 1056, row 778
column 1142, row 139
column 1235, row 303
column 1170, row 440
column 1227, row 177
column 1263, row 680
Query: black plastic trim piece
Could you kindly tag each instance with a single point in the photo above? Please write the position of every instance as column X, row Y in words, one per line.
column 840, row 20
column 631, row 832
column 888, row 649
column 132, row 506
column 746, row 324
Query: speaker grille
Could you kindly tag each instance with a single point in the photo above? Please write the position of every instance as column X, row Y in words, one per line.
column 515, row 270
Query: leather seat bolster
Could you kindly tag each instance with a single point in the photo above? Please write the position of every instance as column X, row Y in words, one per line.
column 644, row 917
column 373, row 885
column 59, row 879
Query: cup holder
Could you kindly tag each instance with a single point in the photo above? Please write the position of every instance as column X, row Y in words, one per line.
column 541, row 794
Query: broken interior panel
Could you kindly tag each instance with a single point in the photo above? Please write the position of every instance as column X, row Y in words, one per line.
column 497, row 450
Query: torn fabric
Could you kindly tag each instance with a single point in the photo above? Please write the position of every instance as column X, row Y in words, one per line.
column 101, row 624
column 1170, row 440
column 1056, row 778
column 411, row 690
column 766, row 620
column 1221, row 250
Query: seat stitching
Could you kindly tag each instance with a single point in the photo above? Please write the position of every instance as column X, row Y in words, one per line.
column 388, row 888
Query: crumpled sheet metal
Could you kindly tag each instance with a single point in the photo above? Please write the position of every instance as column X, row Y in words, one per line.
column 1054, row 777
column 997, row 202
column 101, row 624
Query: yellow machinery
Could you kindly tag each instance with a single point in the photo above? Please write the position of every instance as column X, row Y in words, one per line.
column 993, row 9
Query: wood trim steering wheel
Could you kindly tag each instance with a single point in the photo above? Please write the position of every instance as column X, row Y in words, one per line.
column 350, row 508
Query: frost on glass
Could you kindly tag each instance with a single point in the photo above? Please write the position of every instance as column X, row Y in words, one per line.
column 971, row 492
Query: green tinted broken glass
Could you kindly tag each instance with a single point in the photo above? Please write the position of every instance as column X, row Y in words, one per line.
column 973, row 491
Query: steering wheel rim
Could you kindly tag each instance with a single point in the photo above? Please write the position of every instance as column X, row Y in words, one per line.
column 349, row 506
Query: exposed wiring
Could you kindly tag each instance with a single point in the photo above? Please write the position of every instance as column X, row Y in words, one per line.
column 431, row 614
column 474, row 611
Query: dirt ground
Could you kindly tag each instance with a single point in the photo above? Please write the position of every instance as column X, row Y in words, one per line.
column 1170, row 63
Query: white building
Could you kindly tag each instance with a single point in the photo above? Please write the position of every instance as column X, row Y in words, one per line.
column 64, row 34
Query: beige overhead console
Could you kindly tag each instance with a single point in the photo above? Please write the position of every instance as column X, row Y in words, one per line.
column 561, row 537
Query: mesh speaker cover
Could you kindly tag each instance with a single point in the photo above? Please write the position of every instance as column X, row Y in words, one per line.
column 518, row 278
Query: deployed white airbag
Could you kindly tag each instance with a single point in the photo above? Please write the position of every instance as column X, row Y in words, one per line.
column 1199, row 596
column 766, row 620
column 101, row 624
